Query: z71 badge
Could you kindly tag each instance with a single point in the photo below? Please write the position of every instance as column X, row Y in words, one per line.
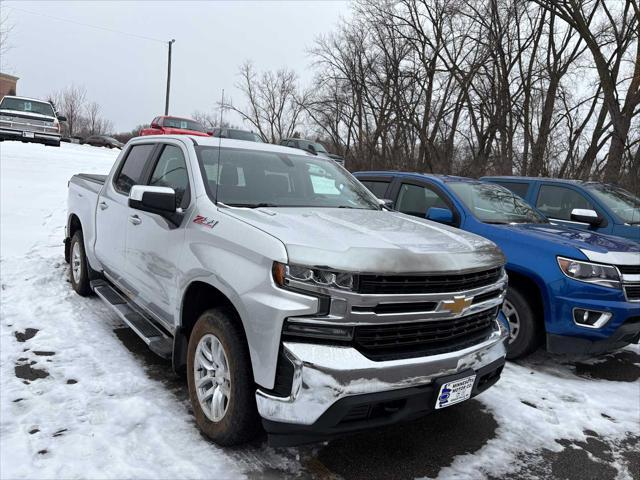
column 205, row 221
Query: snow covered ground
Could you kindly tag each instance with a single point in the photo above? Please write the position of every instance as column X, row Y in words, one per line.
column 80, row 398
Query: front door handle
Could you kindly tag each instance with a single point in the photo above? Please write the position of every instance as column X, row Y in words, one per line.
column 135, row 219
column 103, row 205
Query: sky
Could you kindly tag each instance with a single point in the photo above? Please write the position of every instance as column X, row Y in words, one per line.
column 126, row 74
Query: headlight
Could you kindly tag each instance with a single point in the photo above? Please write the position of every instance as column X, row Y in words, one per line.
column 603, row 275
column 283, row 275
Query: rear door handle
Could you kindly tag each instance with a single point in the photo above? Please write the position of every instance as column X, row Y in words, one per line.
column 135, row 219
column 103, row 205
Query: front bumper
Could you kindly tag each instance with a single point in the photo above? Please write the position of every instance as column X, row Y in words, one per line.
column 330, row 381
column 625, row 334
column 38, row 137
column 564, row 335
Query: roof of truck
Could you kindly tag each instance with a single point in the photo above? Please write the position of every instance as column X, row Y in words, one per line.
column 231, row 143
column 31, row 99
column 435, row 176
column 530, row 179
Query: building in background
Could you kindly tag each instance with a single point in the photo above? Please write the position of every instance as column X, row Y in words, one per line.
column 7, row 84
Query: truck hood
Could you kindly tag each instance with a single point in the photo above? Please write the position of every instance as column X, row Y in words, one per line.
column 596, row 246
column 371, row 241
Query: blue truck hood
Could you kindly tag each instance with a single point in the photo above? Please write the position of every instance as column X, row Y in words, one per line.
column 568, row 241
column 581, row 239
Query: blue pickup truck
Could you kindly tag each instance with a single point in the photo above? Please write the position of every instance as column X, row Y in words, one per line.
column 593, row 206
column 576, row 289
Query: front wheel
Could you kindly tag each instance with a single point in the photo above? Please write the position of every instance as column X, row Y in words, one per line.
column 220, row 379
column 524, row 337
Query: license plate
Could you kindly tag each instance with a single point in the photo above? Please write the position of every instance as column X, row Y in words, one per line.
column 27, row 134
column 455, row 391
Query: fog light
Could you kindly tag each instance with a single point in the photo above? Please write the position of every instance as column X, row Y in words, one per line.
column 590, row 318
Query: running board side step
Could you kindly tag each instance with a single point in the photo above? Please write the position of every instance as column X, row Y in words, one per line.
column 159, row 343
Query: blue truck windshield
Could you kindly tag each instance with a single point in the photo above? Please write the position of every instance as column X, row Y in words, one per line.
column 621, row 202
column 495, row 204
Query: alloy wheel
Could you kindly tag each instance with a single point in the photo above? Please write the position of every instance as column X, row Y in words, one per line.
column 212, row 378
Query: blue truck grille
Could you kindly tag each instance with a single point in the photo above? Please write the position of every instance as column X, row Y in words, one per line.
column 629, row 269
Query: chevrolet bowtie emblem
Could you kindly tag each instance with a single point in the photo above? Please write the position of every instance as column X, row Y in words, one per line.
column 457, row 305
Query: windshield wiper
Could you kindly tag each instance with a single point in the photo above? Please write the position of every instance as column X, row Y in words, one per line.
column 252, row 205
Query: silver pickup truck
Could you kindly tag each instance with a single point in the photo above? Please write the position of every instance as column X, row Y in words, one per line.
column 289, row 295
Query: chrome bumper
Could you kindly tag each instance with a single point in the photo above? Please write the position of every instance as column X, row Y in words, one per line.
column 323, row 374
column 37, row 135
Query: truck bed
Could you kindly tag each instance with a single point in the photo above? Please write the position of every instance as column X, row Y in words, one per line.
column 100, row 179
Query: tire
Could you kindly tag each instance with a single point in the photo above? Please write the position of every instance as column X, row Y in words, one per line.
column 522, row 321
column 236, row 421
column 78, row 265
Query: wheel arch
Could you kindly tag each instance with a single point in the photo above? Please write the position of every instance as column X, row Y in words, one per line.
column 198, row 297
column 73, row 225
column 527, row 284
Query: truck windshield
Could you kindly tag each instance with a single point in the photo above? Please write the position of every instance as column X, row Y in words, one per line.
column 182, row 123
column 320, row 148
column 27, row 106
column 243, row 135
column 621, row 202
column 495, row 204
column 252, row 178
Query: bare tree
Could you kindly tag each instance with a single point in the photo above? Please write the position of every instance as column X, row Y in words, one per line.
column 93, row 120
column 71, row 103
column 275, row 104
column 618, row 30
column 5, row 32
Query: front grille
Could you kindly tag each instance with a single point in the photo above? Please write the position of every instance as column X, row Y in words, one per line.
column 405, row 340
column 393, row 284
column 632, row 291
column 629, row 269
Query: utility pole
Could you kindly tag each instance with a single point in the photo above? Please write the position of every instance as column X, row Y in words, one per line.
column 166, row 104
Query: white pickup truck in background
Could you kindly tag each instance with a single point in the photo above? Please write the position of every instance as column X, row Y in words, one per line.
column 289, row 295
column 29, row 120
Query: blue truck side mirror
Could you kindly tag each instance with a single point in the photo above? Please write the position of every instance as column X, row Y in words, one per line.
column 440, row 215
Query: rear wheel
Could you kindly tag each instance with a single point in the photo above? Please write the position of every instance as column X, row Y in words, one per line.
column 79, row 268
column 524, row 337
column 220, row 379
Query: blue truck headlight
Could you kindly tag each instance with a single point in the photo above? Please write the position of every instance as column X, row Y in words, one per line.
column 599, row 274
column 284, row 275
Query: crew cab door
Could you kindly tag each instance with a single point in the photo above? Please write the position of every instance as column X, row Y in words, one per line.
column 112, row 209
column 154, row 243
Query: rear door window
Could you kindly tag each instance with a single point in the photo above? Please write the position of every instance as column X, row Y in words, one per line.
column 132, row 169
column 557, row 202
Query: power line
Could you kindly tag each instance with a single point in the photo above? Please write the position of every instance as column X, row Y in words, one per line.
column 87, row 25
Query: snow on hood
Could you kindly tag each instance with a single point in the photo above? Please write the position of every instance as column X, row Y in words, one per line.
column 371, row 240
